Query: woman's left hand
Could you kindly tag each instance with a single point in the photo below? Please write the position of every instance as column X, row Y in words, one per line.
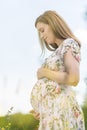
column 36, row 115
column 41, row 72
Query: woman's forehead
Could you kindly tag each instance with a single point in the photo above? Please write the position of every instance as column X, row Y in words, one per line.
column 40, row 25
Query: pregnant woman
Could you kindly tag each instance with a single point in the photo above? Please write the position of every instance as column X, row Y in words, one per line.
column 52, row 97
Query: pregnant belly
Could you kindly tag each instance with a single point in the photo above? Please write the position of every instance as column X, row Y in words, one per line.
column 41, row 89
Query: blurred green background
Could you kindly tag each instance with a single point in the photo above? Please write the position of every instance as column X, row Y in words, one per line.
column 20, row 121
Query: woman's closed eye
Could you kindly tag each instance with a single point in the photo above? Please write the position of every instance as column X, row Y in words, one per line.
column 42, row 30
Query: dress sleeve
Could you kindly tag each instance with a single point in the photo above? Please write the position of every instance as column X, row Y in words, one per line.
column 75, row 48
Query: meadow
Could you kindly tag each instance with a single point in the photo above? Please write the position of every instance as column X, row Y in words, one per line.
column 19, row 121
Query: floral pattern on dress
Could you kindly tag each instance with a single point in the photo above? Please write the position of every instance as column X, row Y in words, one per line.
column 55, row 102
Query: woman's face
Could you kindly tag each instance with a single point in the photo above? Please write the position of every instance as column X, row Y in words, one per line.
column 46, row 33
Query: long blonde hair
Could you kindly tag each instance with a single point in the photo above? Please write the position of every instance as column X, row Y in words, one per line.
column 58, row 26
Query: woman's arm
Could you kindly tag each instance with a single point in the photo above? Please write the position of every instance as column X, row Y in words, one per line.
column 70, row 77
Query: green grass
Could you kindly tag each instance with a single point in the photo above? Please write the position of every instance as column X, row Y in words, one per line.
column 20, row 121
column 85, row 116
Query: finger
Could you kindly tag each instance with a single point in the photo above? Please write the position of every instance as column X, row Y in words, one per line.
column 37, row 116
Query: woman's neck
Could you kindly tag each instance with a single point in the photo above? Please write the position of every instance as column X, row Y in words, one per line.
column 59, row 41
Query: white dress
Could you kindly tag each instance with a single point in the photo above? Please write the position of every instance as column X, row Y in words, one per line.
column 55, row 102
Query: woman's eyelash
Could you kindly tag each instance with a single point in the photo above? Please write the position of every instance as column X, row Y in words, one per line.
column 42, row 30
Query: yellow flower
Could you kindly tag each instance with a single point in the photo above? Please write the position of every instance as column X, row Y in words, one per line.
column 9, row 124
column 2, row 128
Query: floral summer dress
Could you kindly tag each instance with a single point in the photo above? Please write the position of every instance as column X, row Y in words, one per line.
column 55, row 102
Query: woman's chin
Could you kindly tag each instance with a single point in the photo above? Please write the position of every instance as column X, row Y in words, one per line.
column 49, row 43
